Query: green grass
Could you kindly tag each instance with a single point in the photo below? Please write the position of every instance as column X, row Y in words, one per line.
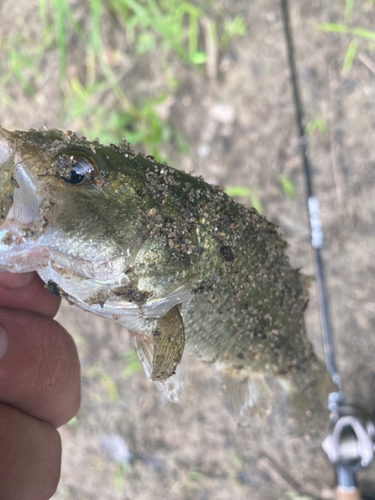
column 232, row 29
column 110, row 386
column 349, row 57
column 73, row 421
column 122, row 470
column 132, row 363
column 149, row 21
column 348, row 10
column 95, row 99
column 287, row 186
column 239, row 191
column 140, row 125
column 355, row 32
column 96, row 371
column 341, row 28
column 19, row 63
column 318, row 125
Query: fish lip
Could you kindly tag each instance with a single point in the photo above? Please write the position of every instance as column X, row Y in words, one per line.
column 5, row 145
column 27, row 193
column 28, row 196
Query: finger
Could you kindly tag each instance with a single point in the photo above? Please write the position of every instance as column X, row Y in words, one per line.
column 27, row 291
column 39, row 370
column 30, row 456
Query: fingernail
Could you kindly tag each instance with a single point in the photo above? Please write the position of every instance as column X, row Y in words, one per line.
column 12, row 280
column 4, row 340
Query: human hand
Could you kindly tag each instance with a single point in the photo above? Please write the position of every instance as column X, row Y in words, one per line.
column 39, row 388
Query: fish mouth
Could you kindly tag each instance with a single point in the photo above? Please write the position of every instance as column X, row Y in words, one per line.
column 21, row 196
column 5, row 146
column 27, row 194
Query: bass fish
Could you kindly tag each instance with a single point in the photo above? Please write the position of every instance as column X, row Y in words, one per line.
column 178, row 263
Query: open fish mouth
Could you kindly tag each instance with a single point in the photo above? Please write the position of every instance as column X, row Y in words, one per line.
column 22, row 196
column 27, row 194
column 5, row 147
column 27, row 197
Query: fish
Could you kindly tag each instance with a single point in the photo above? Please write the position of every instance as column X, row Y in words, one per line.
column 178, row 263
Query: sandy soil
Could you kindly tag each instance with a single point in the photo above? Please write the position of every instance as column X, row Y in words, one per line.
column 239, row 125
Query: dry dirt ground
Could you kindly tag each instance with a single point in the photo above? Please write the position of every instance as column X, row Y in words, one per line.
column 239, row 126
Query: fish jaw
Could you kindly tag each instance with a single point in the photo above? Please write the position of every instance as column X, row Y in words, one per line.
column 6, row 172
column 22, row 191
column 20, row 199
column 5, row 146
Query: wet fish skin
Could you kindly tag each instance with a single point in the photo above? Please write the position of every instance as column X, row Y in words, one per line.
column 138, row 238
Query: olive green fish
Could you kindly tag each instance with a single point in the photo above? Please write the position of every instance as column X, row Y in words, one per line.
column 175, row 260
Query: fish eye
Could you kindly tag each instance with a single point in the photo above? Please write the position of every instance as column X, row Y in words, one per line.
column 80, row 168
column 76, row 170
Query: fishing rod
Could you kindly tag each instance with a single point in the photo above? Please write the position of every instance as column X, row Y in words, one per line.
column 350, row 441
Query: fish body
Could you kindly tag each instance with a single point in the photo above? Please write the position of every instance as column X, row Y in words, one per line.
column 175, row 260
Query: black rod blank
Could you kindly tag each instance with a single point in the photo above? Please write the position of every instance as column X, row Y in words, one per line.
column 313, row 207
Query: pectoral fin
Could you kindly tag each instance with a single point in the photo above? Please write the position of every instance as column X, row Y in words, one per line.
column 169, row 343
column 173, row 387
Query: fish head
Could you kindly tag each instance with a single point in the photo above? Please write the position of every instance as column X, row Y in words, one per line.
column 78, row 213
column 52, row 193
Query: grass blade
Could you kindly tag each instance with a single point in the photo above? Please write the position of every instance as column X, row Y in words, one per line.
column 349, row 57
column 318, row 124
column 43, row 11
column 341, row 28
column 287, row 186
column 348, row 10
column 237, row 191
column 59, row 7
